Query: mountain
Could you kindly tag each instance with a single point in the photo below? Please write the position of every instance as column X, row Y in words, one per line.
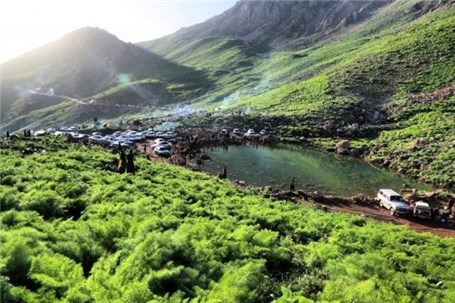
column 89, row 62
column 265, row 22
column 380, row 72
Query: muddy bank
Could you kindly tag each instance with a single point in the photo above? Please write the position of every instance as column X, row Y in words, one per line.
column 442, row 222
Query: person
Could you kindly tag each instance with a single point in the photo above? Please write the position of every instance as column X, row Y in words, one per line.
column 7, row 134
column 122, row 163
column 292, row 187
column 130, row 163
column 223, row 173
column 145, row 148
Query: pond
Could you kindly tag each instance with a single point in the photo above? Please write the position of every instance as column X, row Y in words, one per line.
column 313, row 170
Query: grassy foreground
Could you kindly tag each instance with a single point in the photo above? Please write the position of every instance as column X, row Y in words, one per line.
column 72, row 231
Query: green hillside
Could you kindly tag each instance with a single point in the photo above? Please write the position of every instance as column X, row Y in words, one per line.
column 359, row 83
column 373, row 81
column 73, row 231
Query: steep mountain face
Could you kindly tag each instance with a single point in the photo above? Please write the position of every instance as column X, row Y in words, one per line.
column 263, row 22
column 81, row 64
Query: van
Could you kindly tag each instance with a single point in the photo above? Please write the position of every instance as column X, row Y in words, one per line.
column 393, row 201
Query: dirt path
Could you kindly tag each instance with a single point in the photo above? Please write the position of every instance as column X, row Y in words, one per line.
column 381, row 214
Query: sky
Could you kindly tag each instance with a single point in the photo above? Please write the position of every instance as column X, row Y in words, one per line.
column 27, row 24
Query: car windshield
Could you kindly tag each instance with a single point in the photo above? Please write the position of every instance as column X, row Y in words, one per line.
column 395, row 198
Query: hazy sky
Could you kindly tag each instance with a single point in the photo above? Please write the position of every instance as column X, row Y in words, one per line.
column 26, row 24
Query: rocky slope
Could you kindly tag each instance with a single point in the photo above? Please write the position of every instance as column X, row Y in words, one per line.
column 263, row 22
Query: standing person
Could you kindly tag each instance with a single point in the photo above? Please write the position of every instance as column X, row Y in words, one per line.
column 292, row 187
column 223, row 173
column 130, row 163
column 122, row 163
column 145, row 148
column 7, row 134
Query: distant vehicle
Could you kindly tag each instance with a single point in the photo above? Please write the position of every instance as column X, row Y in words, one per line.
column 117, row 133
column 159, row 140
column 251, row 134
column 169, row 135
column 263, row 132
column 78, row 136
column 73, row 129
column 422, row 210
column 135, row 137
column 40, row 132
column 163, row 144
column 159, row 134
column 162, row 151
column 224, row 132
column 123, row 144
column 59, row 133
column 237, row 132
column 149, row 134
column 392, row 201
column 50, row 130
column 96, row 134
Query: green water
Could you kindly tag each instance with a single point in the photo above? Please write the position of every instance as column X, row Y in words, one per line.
column 313, row 169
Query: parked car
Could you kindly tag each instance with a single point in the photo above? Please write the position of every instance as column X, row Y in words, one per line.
column 40, row 132
column 263, row 132
column 163, row 144
column 149, row 134
column 169, row 135
column 162, row 151
column 251, row 134
column 392, row 201
column 224, row 132
column 422, row 210
column 237, row 132
column 123, row 144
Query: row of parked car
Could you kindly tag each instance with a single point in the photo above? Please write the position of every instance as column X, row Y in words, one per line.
column 250, row 133
column 393, row 201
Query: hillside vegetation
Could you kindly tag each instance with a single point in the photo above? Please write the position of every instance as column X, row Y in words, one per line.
column 73, row 231
column 392, row 74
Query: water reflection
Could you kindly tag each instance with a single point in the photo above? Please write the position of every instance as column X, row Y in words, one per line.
column 313, row 169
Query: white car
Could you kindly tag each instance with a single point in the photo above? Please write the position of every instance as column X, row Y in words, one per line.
column 263, row 132
column 251, row 134
column 392, row 201
column 159, row 140
column 162, row 151
column 237, row 132
column 163, row 144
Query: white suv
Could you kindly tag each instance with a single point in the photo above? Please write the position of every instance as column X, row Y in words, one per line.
column 393, row 201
